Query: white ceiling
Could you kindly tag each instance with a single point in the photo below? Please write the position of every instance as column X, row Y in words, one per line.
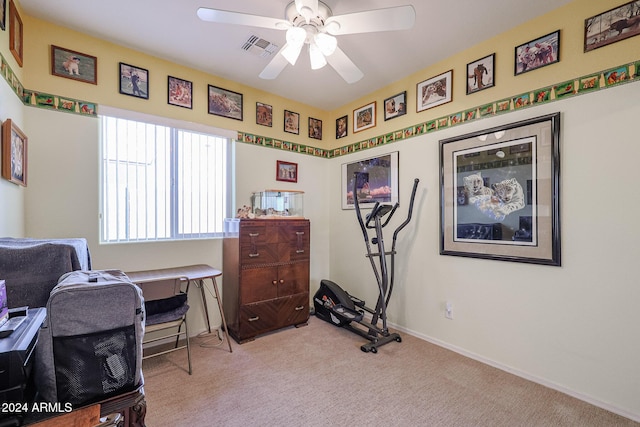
column 172, row 31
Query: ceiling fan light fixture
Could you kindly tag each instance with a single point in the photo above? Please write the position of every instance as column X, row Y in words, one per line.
column 295, row 40
column 326, row 43
column 296, row 36
column 291, row 53
column 316, row 57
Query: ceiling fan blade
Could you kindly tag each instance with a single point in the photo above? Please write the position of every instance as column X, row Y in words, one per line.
column 389, row 19
column 344, row 66
column 275, row 67
column 236, row 18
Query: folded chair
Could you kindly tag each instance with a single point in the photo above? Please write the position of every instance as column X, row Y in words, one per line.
column 166, row 312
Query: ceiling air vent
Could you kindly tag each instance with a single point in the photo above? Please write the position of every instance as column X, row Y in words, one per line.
column 259, row 46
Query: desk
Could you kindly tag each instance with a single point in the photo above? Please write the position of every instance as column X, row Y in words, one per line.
column 194, row 273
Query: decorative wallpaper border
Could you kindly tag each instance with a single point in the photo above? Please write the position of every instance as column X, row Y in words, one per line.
column 615, row 76
column 45, row 100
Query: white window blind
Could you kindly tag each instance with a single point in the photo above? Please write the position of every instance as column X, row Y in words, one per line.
column 162, row 182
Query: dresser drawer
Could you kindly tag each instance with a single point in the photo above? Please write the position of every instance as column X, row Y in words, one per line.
column 294, row 310
column 258, row 318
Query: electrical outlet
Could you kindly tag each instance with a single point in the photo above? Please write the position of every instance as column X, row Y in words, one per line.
column 448, row 310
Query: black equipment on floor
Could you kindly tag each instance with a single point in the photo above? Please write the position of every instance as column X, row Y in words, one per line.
column 334, row 305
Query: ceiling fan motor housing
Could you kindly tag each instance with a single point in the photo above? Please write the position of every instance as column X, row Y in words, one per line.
column 315, row 22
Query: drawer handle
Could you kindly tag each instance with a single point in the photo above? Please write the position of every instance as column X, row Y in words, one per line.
column 254, row 234
column 253, row 319
column 299, row 233
column 300, row 308
column 254, row 255
column 300, row 251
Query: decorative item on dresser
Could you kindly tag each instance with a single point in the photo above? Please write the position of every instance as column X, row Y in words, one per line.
column 266, row 276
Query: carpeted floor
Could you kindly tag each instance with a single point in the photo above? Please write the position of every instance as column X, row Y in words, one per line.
column 317, row 376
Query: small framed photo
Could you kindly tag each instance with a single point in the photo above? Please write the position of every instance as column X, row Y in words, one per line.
column 291, row 122
column 3, row 14
column 315, row 128
column 264, row 114
column 286, row 171
column 364, row 117
column 481, row 74
column 342, row 127
column 434, row 91
column 134, row 81
column 15, row 33
column 537, row 53
column 14, row 153
column 180, row 92
column 225, row 103
column 74, row 65
column 395, row 106
column 612, row 26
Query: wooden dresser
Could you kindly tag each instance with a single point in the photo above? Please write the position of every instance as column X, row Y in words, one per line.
column 266, row 276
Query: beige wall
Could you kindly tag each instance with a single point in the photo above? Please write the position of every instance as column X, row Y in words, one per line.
column 573, row 328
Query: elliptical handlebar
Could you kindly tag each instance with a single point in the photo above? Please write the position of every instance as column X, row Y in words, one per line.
column 374, row 211
column 410, row 212
column 357, row 206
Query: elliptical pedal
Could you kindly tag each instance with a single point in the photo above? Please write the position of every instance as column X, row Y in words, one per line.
column 346, row 312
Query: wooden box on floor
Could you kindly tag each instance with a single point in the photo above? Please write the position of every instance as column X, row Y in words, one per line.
column 266, row 276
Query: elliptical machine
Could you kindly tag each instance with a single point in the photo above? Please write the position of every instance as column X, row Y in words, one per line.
column 336, row 306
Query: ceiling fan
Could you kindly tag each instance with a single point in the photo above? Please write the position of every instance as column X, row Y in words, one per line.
column 311, row 22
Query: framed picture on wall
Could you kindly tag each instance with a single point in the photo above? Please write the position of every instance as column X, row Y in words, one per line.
column 264, row 114
column 14, row 153
column 179, row 92
column 15, row 33
column 364, row 117
column 434, row 91
column 291, row 122
column 395, row 106
column 286, row 171
column 3, row 14
column 500, row 193
column 134, row 81
column 315, row 128
column 481, row 74
column 612, row 26
column 537, row 53
column 342, row 127
column 375, row 180
column 225, row 103
column 74, row 65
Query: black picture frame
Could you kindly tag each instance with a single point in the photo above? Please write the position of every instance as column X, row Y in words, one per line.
column 264, row 114
column 225, row 103
column 3, row 14
column 598, row 28
column 179, row 92
column 481, row 74
column 537, row 53
column 488, row 207
column 134, row 81
column 395, row 106
column 342, row 126
column 315, row 128
column 291, row 122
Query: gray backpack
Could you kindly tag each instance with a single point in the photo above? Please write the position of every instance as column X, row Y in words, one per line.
column 90, row 345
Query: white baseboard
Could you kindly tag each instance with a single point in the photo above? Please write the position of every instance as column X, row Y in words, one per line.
column 522, row 374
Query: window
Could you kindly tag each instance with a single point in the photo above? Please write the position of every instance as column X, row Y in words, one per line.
column 162, row 182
